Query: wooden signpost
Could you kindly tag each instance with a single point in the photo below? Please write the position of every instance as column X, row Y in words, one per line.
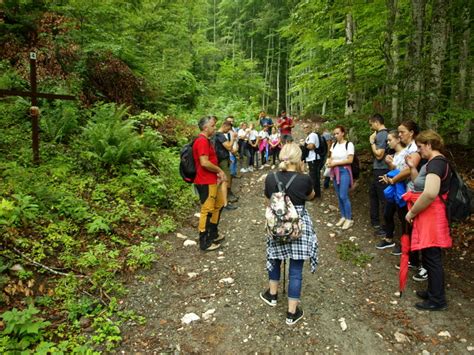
column 34, row 110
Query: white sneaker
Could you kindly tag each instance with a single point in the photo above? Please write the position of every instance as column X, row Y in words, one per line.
column 250, row 168
column 348, row 223
column 243, row 170
column 262, row 167
column 340, row 222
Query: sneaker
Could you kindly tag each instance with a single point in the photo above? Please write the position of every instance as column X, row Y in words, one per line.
column 250, row 169
column 340, row 222
column 431, row 306
column 293, row 318
column 380, row 233
column 348, row 223
column 410, row 266
column 232, row 199
column 262, row 167
column 421, row 275
column 243, row 170
column 384, row 244
column 219, row 239
column 397, row 250
column 268, row 298
column 212, row 247
column 422, row 294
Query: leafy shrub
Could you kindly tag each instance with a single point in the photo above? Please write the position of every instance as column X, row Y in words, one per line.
column 19, row 211
column 141, row 255
column 59, row 120
column 23, row 329
column 112, row 140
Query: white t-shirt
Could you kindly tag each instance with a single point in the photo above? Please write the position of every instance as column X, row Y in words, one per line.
column 339, row 152
column 263, row 134
column 312, row 139
column 411, row 148
column 274, row 138
column 242, row 133
column 399, row 160
column 253, row 134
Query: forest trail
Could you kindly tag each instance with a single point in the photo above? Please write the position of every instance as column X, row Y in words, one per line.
column 186, row 280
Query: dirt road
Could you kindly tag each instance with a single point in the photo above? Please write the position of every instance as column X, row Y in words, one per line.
column 186, row 280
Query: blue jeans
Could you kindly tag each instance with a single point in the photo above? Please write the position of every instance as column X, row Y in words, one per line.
column 233, row 165
column 342, row 192
column 295, row 276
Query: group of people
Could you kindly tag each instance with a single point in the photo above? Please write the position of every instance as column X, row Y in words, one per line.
column 410, row 172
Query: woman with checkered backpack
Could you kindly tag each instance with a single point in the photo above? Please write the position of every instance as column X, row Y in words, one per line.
column 299, row 188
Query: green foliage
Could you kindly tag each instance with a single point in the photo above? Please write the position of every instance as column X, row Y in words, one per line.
column 19, row 211
column 23, row 329
column 350, row 251
column 59, row 120
column 141, row 255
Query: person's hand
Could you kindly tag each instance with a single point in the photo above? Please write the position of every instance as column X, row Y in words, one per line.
column 409, row 217
column 383, row 178
column 389, row 159
column 372, row 138
column 412, row 160
column 221, row 177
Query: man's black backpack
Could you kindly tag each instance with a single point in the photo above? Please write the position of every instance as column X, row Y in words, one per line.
column 355, row 166
column 459, row 203
column 322, row 149
column 187, row 168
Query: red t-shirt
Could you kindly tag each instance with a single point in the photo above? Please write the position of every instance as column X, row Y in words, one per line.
column 286, row 121
column 202, row 146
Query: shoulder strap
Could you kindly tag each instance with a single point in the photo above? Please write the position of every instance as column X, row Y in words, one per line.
column 289, row 182
column 347, row 145
column 279, row 183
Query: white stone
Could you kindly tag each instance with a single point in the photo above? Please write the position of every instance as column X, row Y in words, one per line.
column 444, row 333
column 397, row 294
column 463, row 340
column 181, row 236
column 189, row 243
column 227, row 280
column 470, row 348
column 401, row 338
column 220, row 257
column 379, row 335
column 332, row 235
column 425, row 352
column 189, row 318
column 198, row 215
column 342, row 323
column 17, row 267
column 221, row 253
column 352, row 238
column 330, row 225
column 208, row 314
column 192, row 275
column 393, row 302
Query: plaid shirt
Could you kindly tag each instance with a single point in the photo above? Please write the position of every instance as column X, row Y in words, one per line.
column 306, row 247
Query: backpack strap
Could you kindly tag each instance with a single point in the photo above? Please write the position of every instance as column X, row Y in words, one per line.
column 280, row 184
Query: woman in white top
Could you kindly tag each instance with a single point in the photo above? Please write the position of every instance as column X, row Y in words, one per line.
column 274, row 142
column 395, row 162
column 342, row 154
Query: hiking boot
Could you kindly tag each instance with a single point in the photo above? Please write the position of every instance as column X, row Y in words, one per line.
column 230, row 207
column 219, row 239
column 340, row 222
column 431, row 306
column 421, row 275
column 348, row 223
column 268, row 298
column 422, row 294
column 293, row 318
column 397, row 250
column 384, row 244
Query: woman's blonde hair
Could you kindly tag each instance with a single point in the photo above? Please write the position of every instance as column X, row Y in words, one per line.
column 290, row 154
column 430, row 137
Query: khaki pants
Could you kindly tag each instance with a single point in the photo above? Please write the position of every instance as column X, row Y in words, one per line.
column 211, row 205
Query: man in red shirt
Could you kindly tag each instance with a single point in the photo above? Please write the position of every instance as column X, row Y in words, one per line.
column 285, row 124
column 208, row 177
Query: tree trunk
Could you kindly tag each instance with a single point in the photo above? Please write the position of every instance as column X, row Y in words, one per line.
column 463, row 96
column 392, row 51
column 438, row 53
column 351, row 96
column 267, row 61
column 278, row 78
column 418, row 18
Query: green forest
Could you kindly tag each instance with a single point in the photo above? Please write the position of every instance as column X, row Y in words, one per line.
column 92, row 211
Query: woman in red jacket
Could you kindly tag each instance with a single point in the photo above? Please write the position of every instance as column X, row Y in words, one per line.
column 427, row 213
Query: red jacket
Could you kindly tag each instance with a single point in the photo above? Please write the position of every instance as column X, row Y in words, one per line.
column 430, row 227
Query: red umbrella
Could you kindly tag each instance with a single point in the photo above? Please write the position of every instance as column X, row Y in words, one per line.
column 402, row 276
